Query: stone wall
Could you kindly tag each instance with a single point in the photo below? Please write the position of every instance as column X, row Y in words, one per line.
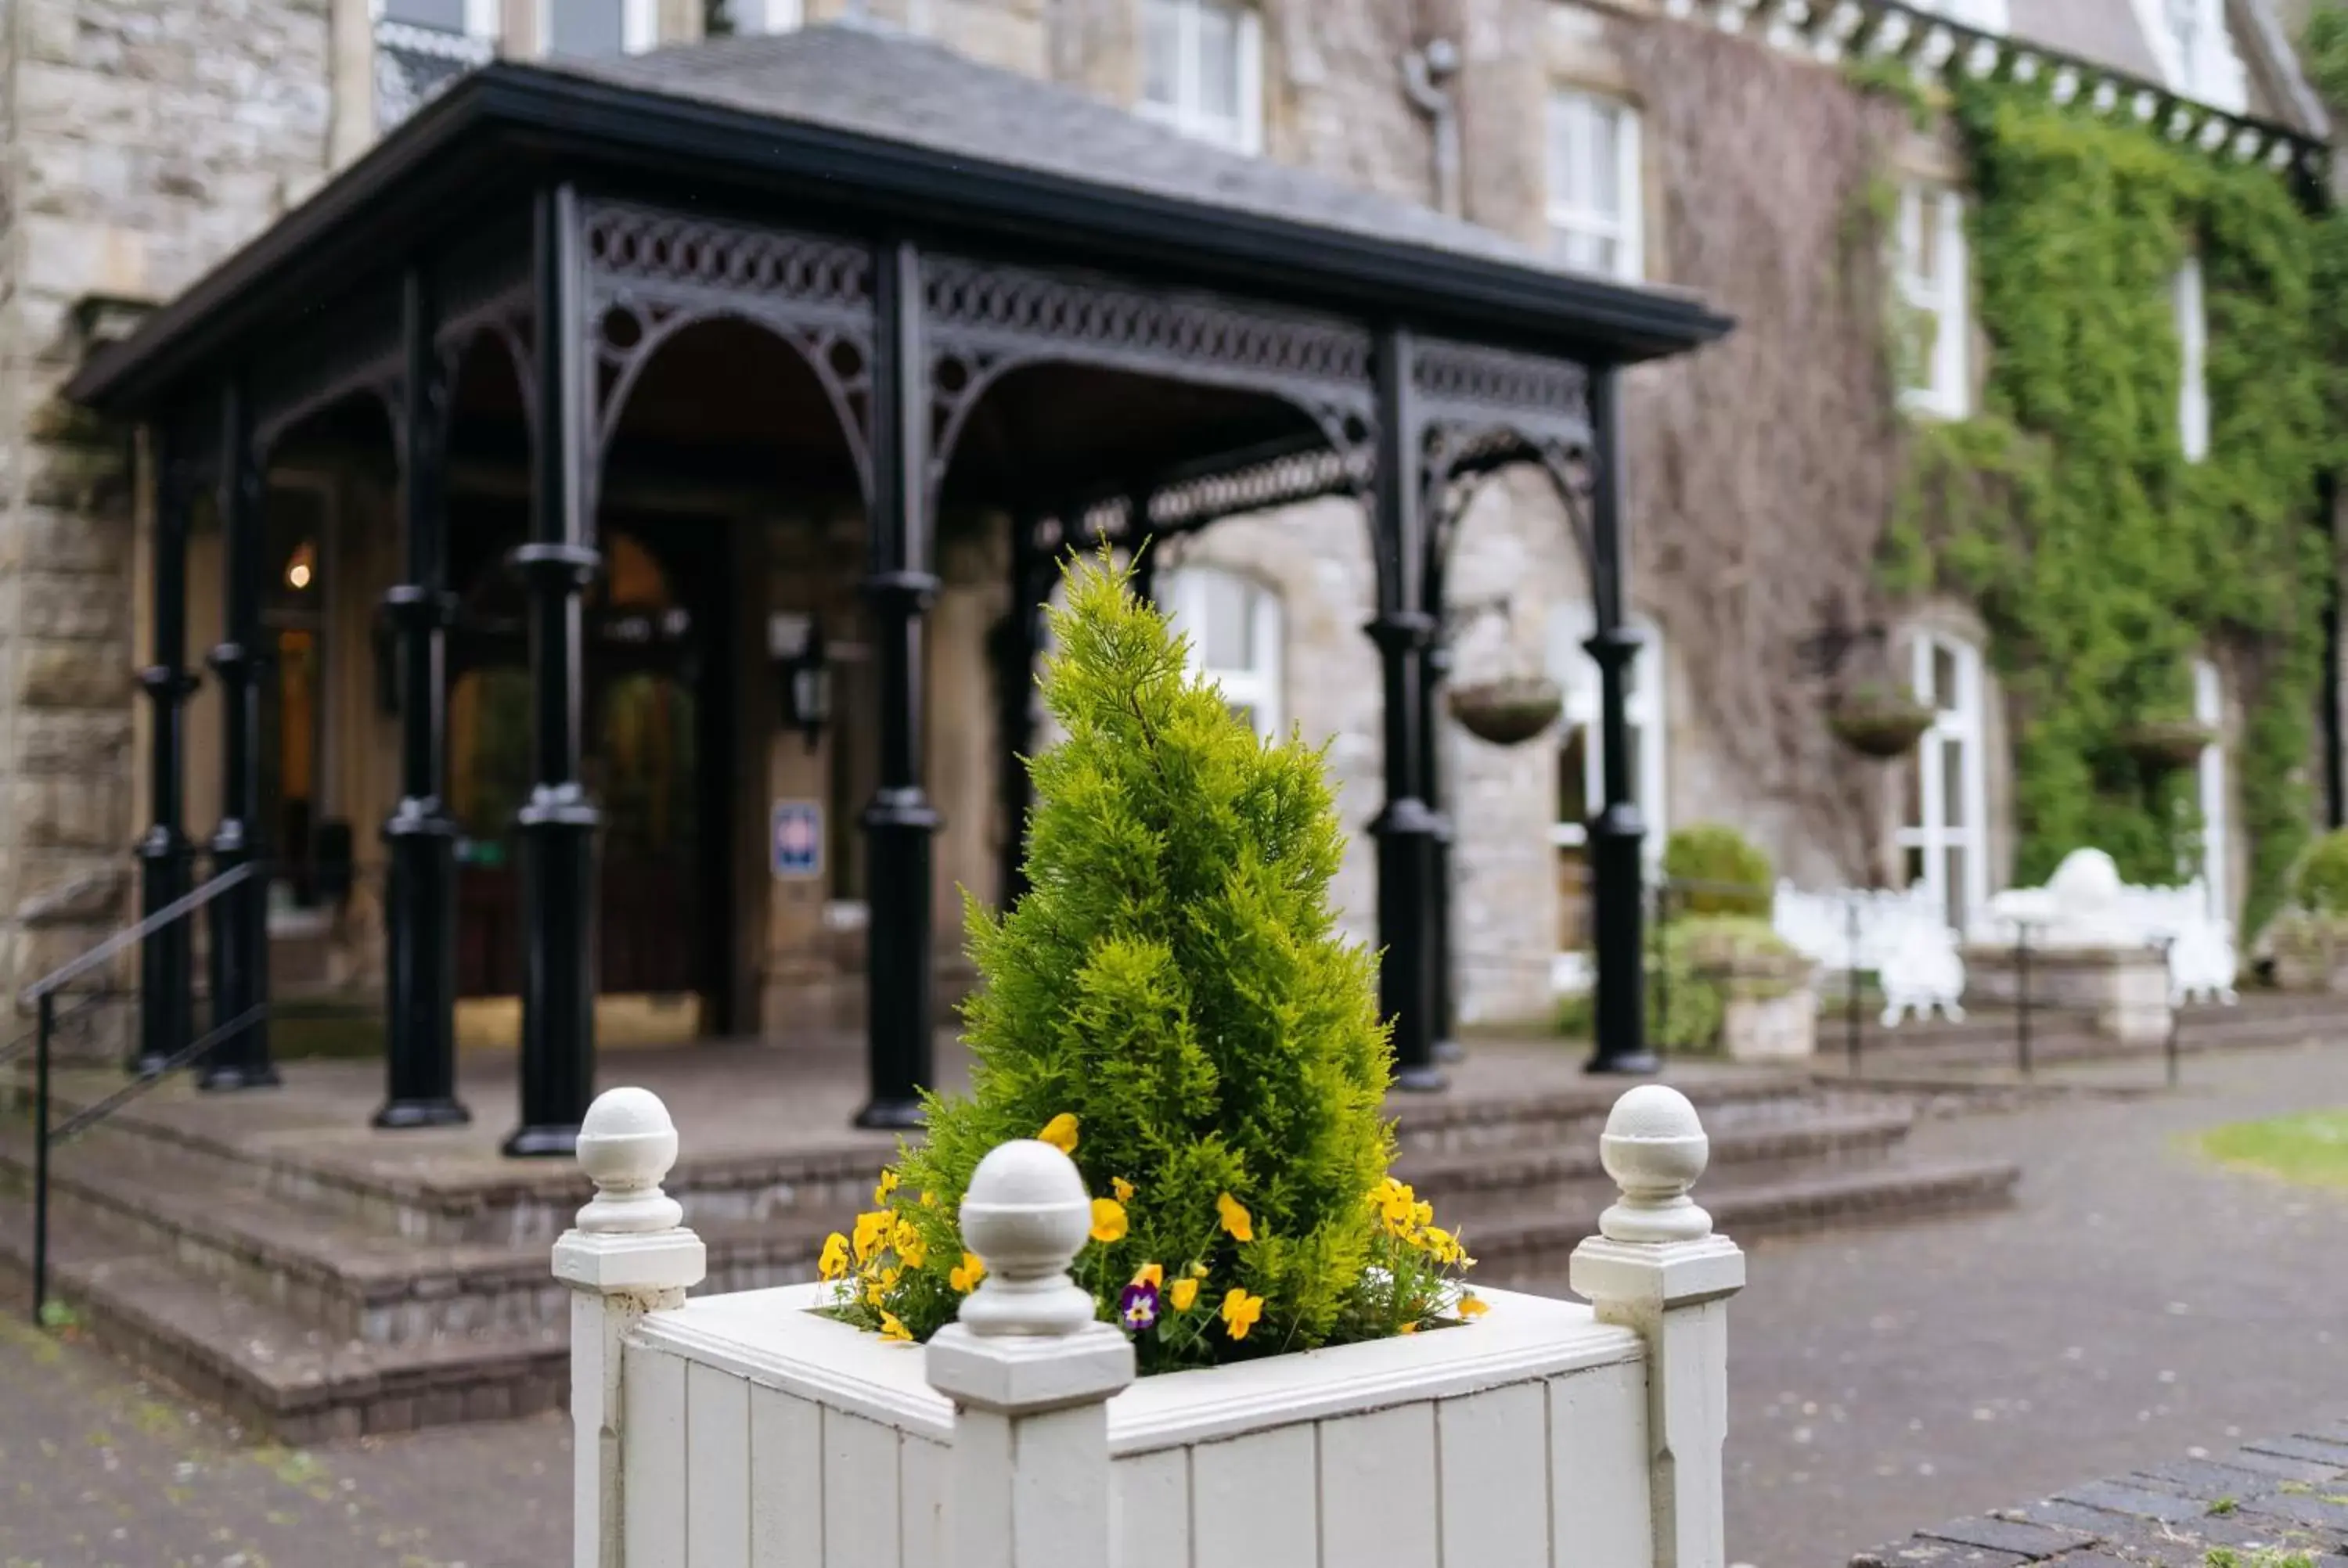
column 147, row 140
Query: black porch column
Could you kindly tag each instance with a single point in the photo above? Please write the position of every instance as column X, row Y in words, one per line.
column 899, row 823
column 240, row 918
column 166, row 967
column 1444, row 999
column 1406, row 828
column 558, row 823
column 1615, row 835
column 420, row 908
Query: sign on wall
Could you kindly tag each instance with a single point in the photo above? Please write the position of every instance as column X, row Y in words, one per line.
column 795, row 839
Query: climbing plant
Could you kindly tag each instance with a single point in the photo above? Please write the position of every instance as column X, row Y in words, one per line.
column 2102, row 559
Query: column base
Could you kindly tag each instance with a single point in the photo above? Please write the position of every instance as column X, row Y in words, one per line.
column 1425, row 1079
column 230, row 1076
column 400, row 1114
column 1631, row 1064
column 539, row 1142
column 1448, row 1051
column 892, row 1116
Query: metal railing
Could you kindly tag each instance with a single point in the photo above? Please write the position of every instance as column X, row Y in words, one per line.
column 44, row 994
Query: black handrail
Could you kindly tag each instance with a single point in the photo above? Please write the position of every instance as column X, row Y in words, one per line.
column 44, row 992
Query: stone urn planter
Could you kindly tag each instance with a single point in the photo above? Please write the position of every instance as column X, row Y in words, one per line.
column 1880, row 724
column 1508, row 711
column 2164, row 745
column 2309, row 952
column 1768, row 1004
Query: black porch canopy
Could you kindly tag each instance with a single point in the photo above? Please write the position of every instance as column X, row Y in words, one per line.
column 1008, row 295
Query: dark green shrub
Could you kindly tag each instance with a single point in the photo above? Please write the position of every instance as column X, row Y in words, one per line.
column 1724, row 872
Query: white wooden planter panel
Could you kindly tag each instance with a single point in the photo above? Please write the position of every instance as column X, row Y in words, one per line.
column 794, row 1442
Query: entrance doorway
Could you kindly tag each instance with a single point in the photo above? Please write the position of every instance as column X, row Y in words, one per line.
column 658, row 756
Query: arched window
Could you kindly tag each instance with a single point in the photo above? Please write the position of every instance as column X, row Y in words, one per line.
column 2209, row 710
column 1940, row 831
column 1233, row 623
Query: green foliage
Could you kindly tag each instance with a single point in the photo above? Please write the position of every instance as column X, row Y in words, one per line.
column 2102, row 560
column 1700, row 963
column 1724, row 872
column 1172, row 998
column 1888, row 76
column 2319, row 883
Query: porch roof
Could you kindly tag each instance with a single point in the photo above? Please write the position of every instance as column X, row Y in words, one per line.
column 881, row 133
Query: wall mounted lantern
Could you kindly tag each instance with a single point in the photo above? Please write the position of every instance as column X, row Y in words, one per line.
column 795, row 643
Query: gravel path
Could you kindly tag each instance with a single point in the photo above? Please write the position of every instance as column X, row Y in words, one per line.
column 2137, row 1305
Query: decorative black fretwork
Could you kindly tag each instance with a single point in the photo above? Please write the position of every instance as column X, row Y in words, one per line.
column 484, row 293
column 1479, row 388
column 651, row 274
column 984, row 319
column 1260, row 484
column 356, row 352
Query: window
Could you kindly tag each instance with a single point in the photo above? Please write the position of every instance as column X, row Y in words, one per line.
column 2209, row 710
column 1594, row 186
column 1233, row 623
column 422, row 45
column 1940, row 834
column 2195, row 53
column 1934, row 370
column 1203, row 70
column 598, row 29
column 1581, row 761
column 2193, row 349
column 745, row 16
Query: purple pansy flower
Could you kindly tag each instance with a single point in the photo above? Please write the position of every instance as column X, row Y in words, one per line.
column 1137, row 1308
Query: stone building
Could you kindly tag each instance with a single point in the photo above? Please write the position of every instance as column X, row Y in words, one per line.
column 145, row 143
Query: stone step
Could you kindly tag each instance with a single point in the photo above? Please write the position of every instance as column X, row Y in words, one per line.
column 274, row 1374
column 1468, row 1185
column 1452, row 1123
column 341, row 1277
column 1536, row 1243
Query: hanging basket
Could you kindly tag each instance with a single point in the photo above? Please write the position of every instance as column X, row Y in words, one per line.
column 1508, row 711
column 1882, row 725
column 2164, row 745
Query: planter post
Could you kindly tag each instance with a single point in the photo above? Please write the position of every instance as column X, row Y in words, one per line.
column 1030, row 1372
column 1657, row 1267
column 630, row 1254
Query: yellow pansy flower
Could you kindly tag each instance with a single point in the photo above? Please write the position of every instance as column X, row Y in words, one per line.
column 882, row 1284
column 1472, row 1307
column 1122, row 1188
column 1184, row 1292
column 1235, row 1217
column 1422, row 1213
column 1408, row 1329
column 892, row 1329
column 1060, row 1132
column 909, row 1244
column 1108, row 1220
column 1240, row 1311
column 1197, row 1271
column 1152, row 1275
column 872, row 1230
column 833, row 1264
column 965, row 1278
column 888, row 1185
column 929, row 1200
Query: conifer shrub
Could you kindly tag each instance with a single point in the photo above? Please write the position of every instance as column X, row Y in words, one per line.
column 1172, row 1004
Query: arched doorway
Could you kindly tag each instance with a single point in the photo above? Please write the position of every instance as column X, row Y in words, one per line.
column 656, row 761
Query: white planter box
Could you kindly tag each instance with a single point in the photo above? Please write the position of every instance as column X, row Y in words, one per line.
column 758, row 1432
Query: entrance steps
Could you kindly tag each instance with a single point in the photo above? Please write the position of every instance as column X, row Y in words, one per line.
column 316, row 1297
column 1988, row 1037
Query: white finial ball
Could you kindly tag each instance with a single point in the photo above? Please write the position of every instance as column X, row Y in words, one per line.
column 1654, row 1147
column 627, row 1146
column 1026, row 1214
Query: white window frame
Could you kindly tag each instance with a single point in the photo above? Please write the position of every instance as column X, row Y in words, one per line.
column 1962, row 726
column 1626, row 228
column 484, row 19
column 2188, row 302
column 1184, row 591
column 761, row 17
column 2199, row 60
column 1946, row 392
column 1576, row 674
column 639, row 26
column 1981, row 16
column 2210, row 709
column 1185, row 114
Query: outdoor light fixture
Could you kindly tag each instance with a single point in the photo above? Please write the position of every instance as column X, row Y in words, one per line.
column 794, row 642
column 302, row 567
